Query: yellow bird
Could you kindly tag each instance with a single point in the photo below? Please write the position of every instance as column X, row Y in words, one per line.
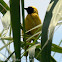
column 32, row 19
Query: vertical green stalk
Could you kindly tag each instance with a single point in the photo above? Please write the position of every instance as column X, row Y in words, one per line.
column 24, row 35
column 15, row 21
column 46, row 52
column 22, row 2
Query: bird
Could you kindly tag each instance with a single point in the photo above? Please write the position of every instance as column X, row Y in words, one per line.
column 32, row 19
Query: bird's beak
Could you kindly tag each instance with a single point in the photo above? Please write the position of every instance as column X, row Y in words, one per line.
column 25, row 8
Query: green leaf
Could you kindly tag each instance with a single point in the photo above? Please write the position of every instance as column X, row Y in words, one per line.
column 9, row 51
column 9, row 56
column 3, row 7
column 45, row 42
column 39, row 57
column 15, row 21
column 56, row 48
column 2, row 10
column 5, row 45
column 58, row 45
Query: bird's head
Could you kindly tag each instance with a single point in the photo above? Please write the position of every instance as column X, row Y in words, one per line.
column 31, row 9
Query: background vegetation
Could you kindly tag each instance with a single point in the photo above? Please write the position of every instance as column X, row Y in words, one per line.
column 11, row 32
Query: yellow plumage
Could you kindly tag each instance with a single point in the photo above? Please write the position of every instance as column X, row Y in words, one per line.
column 32, row 20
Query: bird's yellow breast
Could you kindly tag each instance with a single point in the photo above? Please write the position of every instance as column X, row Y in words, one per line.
column 31, row 21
